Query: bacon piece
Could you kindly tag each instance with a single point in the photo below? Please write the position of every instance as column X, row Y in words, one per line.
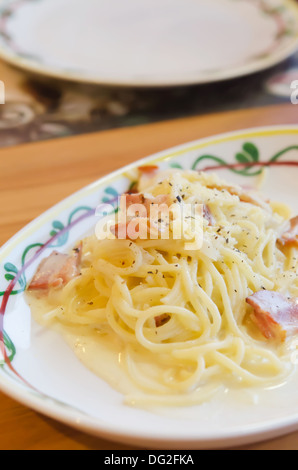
column 208, row 215
column 243, row 196
column 275, row 315
column 139, row 198
column 143, row 211
column 254, row 199
column 133, row 198
column 146, row 172
column 136, row 228
column 136, row 223
column 161, row 320
column 57, row 270
column 290, row 238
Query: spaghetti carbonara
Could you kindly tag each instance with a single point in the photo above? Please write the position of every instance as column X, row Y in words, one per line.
column 186, row 319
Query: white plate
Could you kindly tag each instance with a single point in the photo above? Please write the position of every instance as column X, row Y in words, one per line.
column 147, row 42
column 43, row 373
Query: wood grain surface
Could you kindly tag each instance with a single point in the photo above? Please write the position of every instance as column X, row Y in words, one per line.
column 34, row 177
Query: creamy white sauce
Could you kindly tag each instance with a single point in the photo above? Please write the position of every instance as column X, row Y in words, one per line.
column 102, row 353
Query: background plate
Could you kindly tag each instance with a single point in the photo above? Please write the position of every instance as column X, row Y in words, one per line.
column 148, row 42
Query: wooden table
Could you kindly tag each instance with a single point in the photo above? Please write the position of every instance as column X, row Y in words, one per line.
column 36, row 176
